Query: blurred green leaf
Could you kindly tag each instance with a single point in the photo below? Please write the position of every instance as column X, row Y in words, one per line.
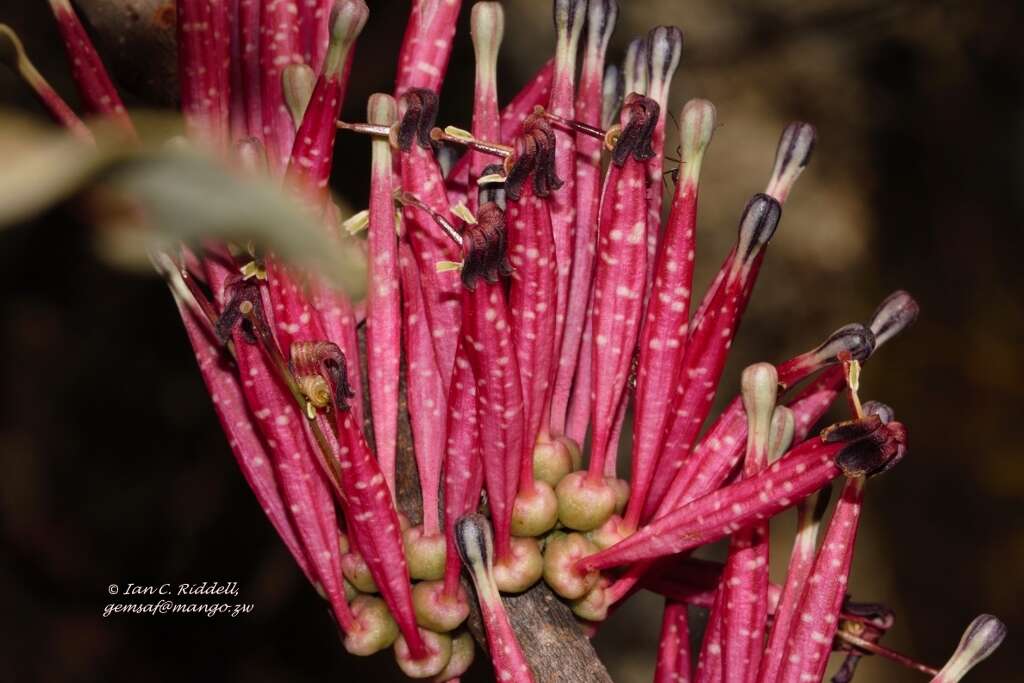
column 155, row 195
column 41, row 167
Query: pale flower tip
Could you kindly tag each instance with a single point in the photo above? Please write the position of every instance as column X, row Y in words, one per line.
column 381, row 109
column 896, row 313
column 487, row 28
column 979, row 641
column 791, row 157
column 569, row 15
column 348, row 17
column 664, row 48
column 297, row 84
column 760, row 385
column 611, row 95
column 601, row 18
column 634, row 67
column 783, row 428
column 696, row 126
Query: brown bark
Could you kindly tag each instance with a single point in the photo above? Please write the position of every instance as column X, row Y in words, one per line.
column 137, row 41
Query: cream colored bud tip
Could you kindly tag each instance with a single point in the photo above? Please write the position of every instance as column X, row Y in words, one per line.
column 760, row 386
column 696, row 126
column 783, row 429
column 381, row 109
column 487, row 23
column 569, row 14
column 601, row 18
column 347, row 19
column 979, row 641
column 634, row 66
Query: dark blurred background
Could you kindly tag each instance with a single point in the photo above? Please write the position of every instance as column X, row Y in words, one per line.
column 113, row 468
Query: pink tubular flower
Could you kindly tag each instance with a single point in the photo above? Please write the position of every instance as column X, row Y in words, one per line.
column 98, row 92
column 517, row 303
column 674, row 645
column 601, row 17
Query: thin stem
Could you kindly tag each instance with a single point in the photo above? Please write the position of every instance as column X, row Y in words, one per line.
column 285, row 373
column 851, row 368
column 493, row 148
column 572, row 125
column 407, row 199
column 364, row 128
column 885, row 652
column 201, row 301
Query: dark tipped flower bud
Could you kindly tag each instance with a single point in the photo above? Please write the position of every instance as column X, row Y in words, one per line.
column 853, row 339
column 791, row 157
column 979, row 641
column 760, row 218
column 896, row 313
column 601, row 18
column 569, row 15
column 664, row 48
column 884, row 412
column 348, row 17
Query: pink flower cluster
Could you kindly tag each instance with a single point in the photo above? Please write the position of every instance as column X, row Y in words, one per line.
column 518, row 301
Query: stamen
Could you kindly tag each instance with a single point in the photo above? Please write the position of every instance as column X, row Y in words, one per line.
column 326, row 362
column 408, row 199
column 882, row 651
column 460, row 137
column 851, row 368
column 575, row 126
column 365, row 128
